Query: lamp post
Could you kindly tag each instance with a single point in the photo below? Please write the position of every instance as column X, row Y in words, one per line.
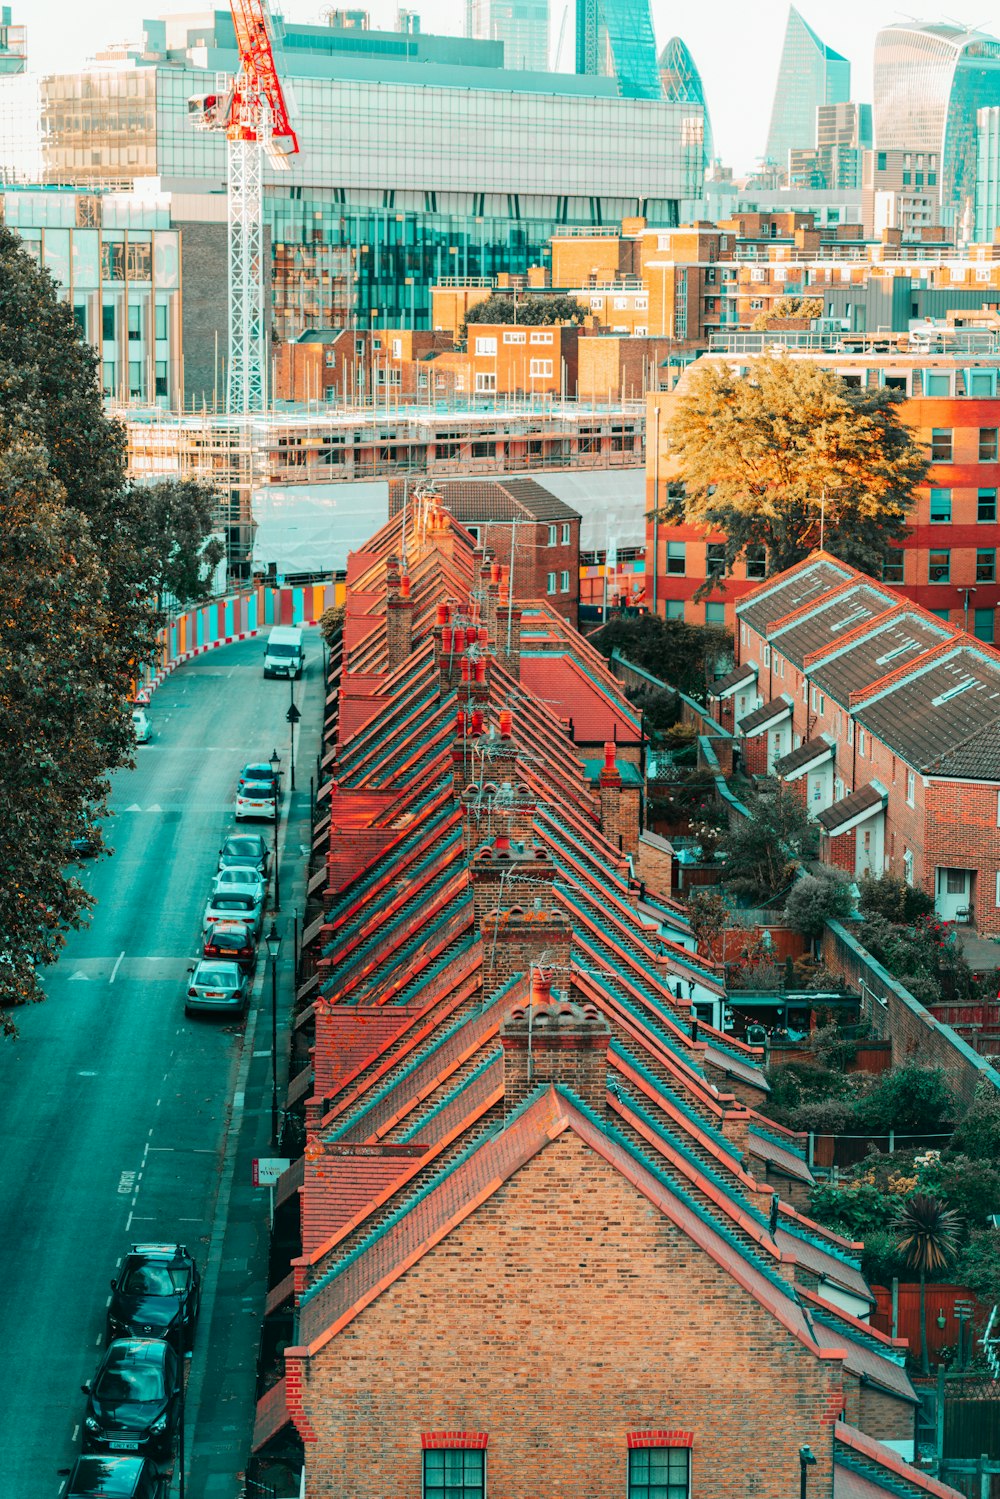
column 293, row 715
column 275, row 763
column 181, row 1455
column 807, row 1460
column 273, row 942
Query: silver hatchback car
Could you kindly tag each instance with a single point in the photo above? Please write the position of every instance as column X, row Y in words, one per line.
column 217, row 986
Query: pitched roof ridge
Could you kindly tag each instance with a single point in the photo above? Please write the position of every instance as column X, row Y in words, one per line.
column 881, row 1341
column 878, row 1452
column 434, row 864
column 676, row 1101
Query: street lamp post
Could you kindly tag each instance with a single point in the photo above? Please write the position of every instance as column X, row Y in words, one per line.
column 293, row 715
column 275, row 763
column 807, row 1460
column 273, row 942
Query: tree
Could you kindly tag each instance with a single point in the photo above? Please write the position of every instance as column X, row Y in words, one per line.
column 805, row 308
column 756, row 454
column 978, row 1135
column 928, row 1241
column 532, row 311
column 892, row 898
column 764, row 850
column 679, row 654
column 180, row 519
column 709, row 916
column 74, row 615
column 816, row 899
column 331, row 623
column 910, row 1100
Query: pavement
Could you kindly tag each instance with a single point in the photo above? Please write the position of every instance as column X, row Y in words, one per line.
column 126, row 1121
column 981, row 953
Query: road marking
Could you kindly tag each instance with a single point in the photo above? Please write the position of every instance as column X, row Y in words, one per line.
column 261, row 1053
column 155, row 808
column 76, row 1432
column 79, row 978
column 128, row 1223
column 114, row 971
column 98, row 1339
column 86, row 1074
column 125, row 1183
column 134, row 808
column 238, row 1100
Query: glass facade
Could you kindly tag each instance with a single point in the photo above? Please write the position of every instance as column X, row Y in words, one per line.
column 681, row 84
column 929, row 84
column 615, row 39
column 987, row 174
column 117, row 262
column 522, row 26
column 809, row 74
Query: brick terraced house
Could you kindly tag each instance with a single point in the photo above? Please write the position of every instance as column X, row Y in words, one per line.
column 884, row 719
column 543, row 1238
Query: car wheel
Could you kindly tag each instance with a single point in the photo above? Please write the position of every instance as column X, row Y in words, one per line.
column 188, row 1011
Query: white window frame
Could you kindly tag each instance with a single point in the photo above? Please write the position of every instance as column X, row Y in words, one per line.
column 516, row 336
column 553, row 535
column 565, row 533
column 486, row 382
column 486, row 346
column 908, row 865
column 564, row 581
column 540, row 337
column 540, row 369
column 911, row 789
column 550, row 583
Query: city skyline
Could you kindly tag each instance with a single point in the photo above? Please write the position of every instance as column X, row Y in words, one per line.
column 739, row 72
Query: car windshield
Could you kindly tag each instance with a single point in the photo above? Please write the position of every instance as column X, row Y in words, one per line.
column 229, row 936
column 155, row 1280
column 258, row 789
column 141, row 1383
column 224, row 976
column 242, row 848
column 282, row 650
column 257, row 773
column 242, row 874
column 232, row 903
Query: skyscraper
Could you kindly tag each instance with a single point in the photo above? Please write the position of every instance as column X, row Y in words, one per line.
column 930, row 82
column 681, row 84
column 810, row 74
column 615, row 39
column 522, row 26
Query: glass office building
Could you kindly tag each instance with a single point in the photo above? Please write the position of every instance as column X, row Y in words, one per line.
column 809, row 74
column 681, row 84
column 522, row 26
column 615, row 39
column 420, row 158
column 930, row 83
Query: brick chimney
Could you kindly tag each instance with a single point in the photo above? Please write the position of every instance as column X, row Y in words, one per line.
column 611, row 796
column 554, row 1040
column 486, row 779
column 398, row 614
column 517, row 915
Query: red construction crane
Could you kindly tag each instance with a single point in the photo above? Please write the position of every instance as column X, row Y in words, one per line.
column 257, row 82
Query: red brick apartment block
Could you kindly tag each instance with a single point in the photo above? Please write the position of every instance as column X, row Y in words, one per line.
column 534, row 1236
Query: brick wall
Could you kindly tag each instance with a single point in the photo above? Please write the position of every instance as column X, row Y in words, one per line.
column 962, row 826
column 563, row 1314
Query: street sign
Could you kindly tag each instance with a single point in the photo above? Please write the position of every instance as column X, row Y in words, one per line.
column 293, row 715
column 267, row 1169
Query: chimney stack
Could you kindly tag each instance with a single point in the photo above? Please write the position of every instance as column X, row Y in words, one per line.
column 554, row 1040
column 508, row 632
column 519, row 920
column 398, row 614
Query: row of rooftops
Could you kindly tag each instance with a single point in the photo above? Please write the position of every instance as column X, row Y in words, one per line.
column 924, row 688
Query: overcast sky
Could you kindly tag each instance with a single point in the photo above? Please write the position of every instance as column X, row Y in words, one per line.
column 735, row 43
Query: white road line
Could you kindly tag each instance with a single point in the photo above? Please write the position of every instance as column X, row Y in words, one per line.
column 114, row 971
column 108, row 1302
column 128, row 1223
column 98, row 1339
column 76, row 1432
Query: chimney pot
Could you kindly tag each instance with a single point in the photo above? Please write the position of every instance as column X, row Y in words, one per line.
column 404, row 585
column 470, row 634
column 480, row 671
column 443, row 614
column 446, row 640
column 460, row 723
column 506, row 723
column 464, row 669
column 477, row 721
column 484, row 637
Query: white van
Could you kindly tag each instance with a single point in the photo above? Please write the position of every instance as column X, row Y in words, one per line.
column 283, row 653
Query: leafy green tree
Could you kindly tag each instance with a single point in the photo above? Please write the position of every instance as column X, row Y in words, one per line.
column 532, row 311
column 978, row 1265
column 929, row 1233
column 755, row 454
column 978, row 1134
column 789, row 307
column 74, row 615
column 911, row 1100
column 331, row 623
column 816, row 899
column 764, row 850
column 680, row 654
column 893, row 899
column 709, row 915
column 181, row 518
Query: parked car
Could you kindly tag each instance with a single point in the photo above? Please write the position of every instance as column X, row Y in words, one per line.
column 97, row 1475
column 283, row 654
column 233, row 942
column 217, row 986
column 234, row 906
column 133, row 1402
column 238, row 879
column 156, row 1294
column 141, row 725
column 256, row 799
column 261, row 773
column 246, row 851
column 86, row 846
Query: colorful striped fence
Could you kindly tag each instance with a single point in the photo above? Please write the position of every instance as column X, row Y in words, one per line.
column 237, row 616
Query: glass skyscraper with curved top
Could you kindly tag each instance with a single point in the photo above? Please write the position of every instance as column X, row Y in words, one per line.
column 681, row 84
column 810, row 74
column 615, row 39
column 930, row 81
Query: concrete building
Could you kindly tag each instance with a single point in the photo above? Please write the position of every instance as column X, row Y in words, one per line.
column 810, row 74
column 13, row 44
column 948, row 562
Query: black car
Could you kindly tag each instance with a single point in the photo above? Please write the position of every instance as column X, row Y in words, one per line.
column 134, row 1402
column 86, row 847
column 233, row 942
column 156, row 1294
column 245, row 851
column 98, row 1476
column 260, row 773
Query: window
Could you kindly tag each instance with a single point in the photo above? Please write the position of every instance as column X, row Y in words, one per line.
column 397, row 348
column 161, row 320
column 553, row 535
column 982, row 383
column 659, row 1473
column 880, row 161
column 984, row 625
column 892, row 566
column 550, row 583
column 911, row 788
column 539, row 369
column 486, row 345
column 565, row 533
column 938, row 566
column 937, row 385
column 861, row 743
column 564, row 582
column 108, row 320
column 941, row 506
column 986, row 509
column 756, row 558
column 676, row 558
column 486, row 381
column 453, row 1474
column 767, row 656
column 908, row 866
column 541, row 338
column 715, row 559
column 941, row 445
column 674, row 609
column 986, row 565
column 818, row 702
column 516, row 337
column 162, row 378
column 715, row 614
column 850, row 731
column 987, row 444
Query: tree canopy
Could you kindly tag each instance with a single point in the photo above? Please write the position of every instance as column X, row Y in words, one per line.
column 74, row 615
column 180, row 520
column 532, row 311
column 678, row 653
column 789, row 307
column 759, row 457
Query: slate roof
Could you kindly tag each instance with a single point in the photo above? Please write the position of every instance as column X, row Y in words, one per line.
column 809, row 752
column 829, row 619
column 888, row 642
column 976, row 757
column 859, row 1456
column 800, row 585
column 778, row 707
column 937, row 708
column 479, row 500
column 835, row 817
column 723, row 686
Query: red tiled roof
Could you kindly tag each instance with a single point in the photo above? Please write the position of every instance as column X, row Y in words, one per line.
column 346, row 1184
column 350, row 1038
column 569, row 692
column 867, row 1363
column 879, row 1454
column 273, row 1415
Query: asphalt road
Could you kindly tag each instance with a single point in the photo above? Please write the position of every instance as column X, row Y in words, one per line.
column 116, row 1106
